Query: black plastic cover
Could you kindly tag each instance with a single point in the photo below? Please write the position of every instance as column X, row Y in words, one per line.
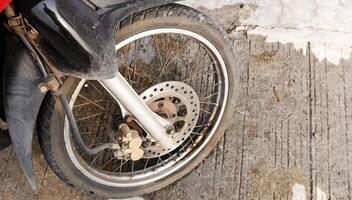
column 22, row 101
column 77, row 39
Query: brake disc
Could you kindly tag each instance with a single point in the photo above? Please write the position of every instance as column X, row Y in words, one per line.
column 177, row 103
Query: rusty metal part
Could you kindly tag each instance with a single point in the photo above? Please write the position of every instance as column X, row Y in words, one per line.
column 51, row 84
column 18, row 24
column 28, row 35
column 14, row 21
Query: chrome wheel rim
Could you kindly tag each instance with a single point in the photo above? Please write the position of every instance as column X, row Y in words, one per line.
column 164, row 168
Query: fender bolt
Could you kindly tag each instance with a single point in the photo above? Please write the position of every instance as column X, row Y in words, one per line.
column 43, row 89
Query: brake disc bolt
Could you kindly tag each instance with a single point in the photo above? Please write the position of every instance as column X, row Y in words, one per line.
column 145, row 144
column 171, row 130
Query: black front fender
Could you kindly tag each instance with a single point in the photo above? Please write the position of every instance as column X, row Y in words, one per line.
column 22, row 101
column 80, row 40
column 84, row 50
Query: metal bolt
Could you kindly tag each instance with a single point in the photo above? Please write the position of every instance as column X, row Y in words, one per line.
column 171, row 130
column 128, row 118
column 43, row 89
column 124, row 145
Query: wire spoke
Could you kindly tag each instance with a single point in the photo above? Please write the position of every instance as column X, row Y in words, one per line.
column 206, row 111
column 95, row 158
column 107, row 163
column 192, row 140
column 90, row 116
column 145, row 62
column 157, row 49
column 209, row 103
column 198, row 63
column 134, row 71
column 199, row 76
column 145, row 165
column 122, row 163
column 94, row 87
column 168, row 63
column 132, row 168
column 196, row 133
column 207, row 97
column 90, row 101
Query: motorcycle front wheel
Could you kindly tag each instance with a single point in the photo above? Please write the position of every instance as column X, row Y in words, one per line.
column 182, row 65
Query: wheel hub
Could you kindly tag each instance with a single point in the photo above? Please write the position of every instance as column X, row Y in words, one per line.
column 177, row 103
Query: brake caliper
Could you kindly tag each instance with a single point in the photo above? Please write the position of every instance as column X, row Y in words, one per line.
column 130, row 143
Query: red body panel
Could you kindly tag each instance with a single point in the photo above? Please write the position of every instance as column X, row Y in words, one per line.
column 3, row 4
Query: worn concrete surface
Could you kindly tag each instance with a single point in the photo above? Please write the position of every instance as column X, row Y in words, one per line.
column 290, row 135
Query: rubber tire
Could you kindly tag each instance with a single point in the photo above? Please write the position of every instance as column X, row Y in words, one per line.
column 51, row 117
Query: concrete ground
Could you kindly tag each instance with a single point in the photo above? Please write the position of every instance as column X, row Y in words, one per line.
column 289, row 138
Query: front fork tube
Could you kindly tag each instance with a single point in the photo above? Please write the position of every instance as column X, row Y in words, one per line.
column 123, row 93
